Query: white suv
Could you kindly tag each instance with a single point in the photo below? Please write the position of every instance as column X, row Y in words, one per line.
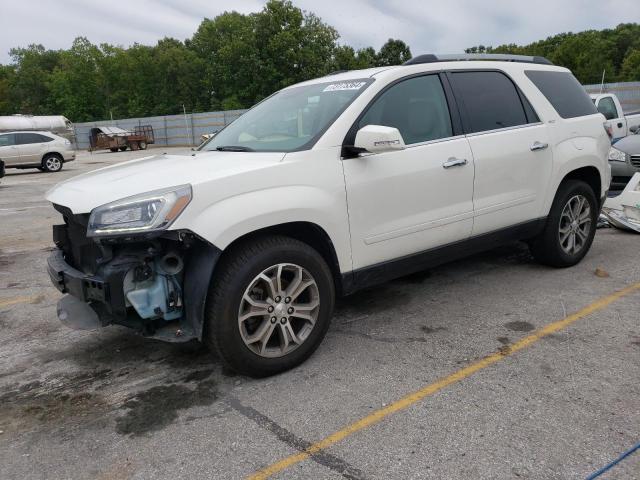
column 327, row 187
column 29, row 149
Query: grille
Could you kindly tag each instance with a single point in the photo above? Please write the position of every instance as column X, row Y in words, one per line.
column 635, row 161
column 80, row 252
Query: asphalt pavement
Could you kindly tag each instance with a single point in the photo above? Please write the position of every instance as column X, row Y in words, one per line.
column 489, row 367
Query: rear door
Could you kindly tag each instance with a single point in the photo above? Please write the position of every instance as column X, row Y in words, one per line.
column 8, row 150
column 32, row 147
column 513, row 161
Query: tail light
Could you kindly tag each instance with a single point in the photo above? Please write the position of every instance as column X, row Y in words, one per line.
column 609, row 130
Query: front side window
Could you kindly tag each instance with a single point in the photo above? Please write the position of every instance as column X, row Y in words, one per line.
column 607, row 108
column 490, row 99
column 417, row 107
column 290, row 120
column 7, row 140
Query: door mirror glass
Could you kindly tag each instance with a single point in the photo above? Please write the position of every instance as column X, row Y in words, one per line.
column 377, row 139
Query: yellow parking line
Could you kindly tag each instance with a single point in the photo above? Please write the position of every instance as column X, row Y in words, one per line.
column 16, row 300
column 461, row 374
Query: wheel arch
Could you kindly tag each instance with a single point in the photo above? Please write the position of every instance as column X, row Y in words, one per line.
column 56, row 154
column 590, row 175
column 307, row 232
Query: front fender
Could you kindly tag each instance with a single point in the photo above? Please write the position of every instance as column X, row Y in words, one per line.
column 229, row 219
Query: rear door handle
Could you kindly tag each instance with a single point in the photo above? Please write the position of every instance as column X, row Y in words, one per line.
column 454, row 162
column 538, row 146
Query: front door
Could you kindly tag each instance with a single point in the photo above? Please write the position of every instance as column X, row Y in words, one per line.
column 408, row 201
column 607, row 107
column 8, row 150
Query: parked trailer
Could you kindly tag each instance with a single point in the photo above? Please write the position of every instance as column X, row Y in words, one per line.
column 57, row 124
column 116, row 138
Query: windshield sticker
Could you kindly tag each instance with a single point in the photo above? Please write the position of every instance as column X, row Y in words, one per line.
column 334, row 87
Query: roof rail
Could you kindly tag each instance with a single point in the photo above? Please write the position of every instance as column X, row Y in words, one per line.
column 460, row 57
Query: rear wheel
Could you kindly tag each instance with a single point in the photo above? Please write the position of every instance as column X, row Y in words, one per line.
column 570, row 227
column 142, row 145
column 52, row 162
column 269, row 305
column 122, row 149
column 114, row 149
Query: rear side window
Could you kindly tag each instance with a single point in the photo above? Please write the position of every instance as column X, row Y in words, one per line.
column 417, row 107
column 26, row 138
column 7, row 140
column 490, row 99
column 564, row 92
column 608, row 108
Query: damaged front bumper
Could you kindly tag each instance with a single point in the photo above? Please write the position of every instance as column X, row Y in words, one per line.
column 156, row 284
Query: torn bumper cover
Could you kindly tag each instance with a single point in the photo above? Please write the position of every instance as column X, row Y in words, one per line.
column 623, row 211
column 156, row 285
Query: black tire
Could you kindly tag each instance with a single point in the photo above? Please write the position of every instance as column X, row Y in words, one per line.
column 237, row 269
column 122, row 149
column 546, row 247
column 52, row 162
column 142, row 145
column 114, row 149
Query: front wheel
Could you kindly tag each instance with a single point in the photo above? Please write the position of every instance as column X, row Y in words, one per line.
column 570, row 227
column 269, row 305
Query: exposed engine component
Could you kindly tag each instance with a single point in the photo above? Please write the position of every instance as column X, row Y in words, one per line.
column 154, row 288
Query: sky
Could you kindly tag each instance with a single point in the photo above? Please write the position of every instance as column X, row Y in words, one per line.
column 442, row 26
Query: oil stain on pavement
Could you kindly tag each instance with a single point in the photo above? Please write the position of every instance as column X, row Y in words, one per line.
column 158, row 407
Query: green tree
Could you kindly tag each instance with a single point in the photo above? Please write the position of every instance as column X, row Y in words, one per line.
column 293, row 46
column 631, row 66
column 75, row 84
column 394, row 52
column 7, row 75
column 29, row 86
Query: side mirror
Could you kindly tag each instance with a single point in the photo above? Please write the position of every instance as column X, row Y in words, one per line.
column 377, row 139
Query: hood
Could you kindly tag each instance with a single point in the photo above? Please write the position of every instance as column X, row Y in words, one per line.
column 85, row 192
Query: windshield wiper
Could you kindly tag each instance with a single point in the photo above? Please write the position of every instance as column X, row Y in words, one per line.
column 233, row 148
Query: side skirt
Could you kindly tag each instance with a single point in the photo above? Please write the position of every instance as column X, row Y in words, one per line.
column 385, row 271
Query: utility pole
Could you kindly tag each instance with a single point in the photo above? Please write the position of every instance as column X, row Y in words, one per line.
column 186, row 124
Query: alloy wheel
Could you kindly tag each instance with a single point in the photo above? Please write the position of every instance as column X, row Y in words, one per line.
column 278, row 310
column 575, row 224
column 53, row 164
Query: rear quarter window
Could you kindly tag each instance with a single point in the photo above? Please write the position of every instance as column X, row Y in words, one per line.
column 564, row 92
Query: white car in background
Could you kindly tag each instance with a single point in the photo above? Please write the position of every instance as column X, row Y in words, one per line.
column 42, row 150
column 327, row 187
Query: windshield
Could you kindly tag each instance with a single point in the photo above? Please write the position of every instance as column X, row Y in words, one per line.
column 289, row 120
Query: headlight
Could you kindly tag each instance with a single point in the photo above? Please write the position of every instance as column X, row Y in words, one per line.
column 616, row 155
column 147, row 212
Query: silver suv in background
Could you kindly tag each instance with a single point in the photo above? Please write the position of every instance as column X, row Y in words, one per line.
column 42, row 150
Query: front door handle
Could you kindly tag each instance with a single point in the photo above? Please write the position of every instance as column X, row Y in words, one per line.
column 454, row 162
column 620, row 125
column 538, row 146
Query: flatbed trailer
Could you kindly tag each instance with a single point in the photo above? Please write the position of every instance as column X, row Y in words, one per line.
column 115, row 138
